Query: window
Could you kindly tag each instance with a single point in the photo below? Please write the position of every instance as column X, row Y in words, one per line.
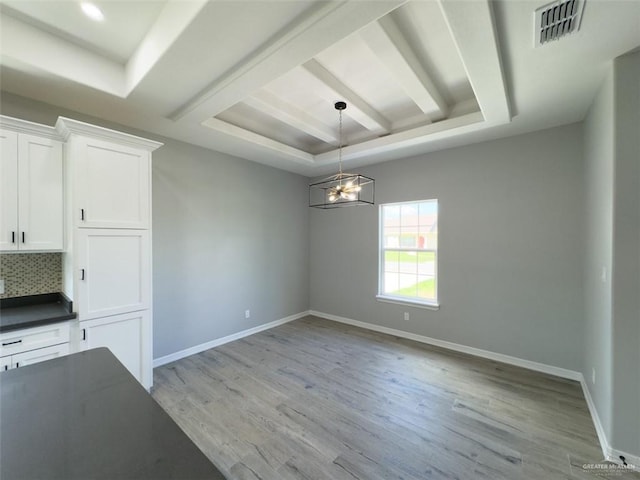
column 409, row 252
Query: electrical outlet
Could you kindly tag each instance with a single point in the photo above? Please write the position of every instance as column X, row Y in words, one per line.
column 247, row 314
column 593, row 376
column 1, row 286
column 406, row 316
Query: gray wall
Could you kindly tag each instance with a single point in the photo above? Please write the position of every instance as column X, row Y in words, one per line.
column 612, row 326
column 626, row 256
column 598, row 153
column 511, row 245
column 228, row 235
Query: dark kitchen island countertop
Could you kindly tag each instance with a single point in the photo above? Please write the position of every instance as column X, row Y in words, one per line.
column 84, row 416
column 34, row 310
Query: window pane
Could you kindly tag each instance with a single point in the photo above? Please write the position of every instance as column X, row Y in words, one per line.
column 391, row 261
column 408, row 262
column 429, row 240
column 391, row 216
column 426, row 263
column 426, row 287
column 392, row 237
column 423, row 238
column 391, row 282
column 408, row 285
column 409, row 237
column 428, row 212
column 409, row 214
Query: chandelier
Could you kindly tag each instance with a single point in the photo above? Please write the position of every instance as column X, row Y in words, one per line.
column 342, row 189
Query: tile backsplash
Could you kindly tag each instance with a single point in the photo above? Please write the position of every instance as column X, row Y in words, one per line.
column 31, row 273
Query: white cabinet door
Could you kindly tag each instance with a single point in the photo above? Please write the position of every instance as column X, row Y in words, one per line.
column 128, row 336
column 40, row 189
column 5, row 363
column 112, row 185
column 114, row 272
column 39, row 355
column 8, row 190
column 31, row 193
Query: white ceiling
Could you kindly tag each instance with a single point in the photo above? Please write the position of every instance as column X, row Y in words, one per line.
column 258, row 79
column 64, row 19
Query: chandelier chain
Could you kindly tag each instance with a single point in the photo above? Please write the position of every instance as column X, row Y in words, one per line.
column 340, row 145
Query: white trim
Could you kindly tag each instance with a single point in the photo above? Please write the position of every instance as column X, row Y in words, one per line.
column 172, row 357
column 611, row 454
column 409, row 303
column 499, row 357
column 604, row 444
column 23, row 126
column 257, row 139
column 67, row 126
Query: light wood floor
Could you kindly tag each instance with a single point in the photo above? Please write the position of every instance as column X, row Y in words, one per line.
column 315, row 399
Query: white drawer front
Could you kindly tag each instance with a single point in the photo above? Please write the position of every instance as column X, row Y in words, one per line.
column 19, row 341
column 39, row 355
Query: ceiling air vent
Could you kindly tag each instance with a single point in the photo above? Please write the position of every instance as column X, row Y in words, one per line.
column 557, row 19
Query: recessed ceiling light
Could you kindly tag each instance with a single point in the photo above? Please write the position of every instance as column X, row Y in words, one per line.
column 92, row 11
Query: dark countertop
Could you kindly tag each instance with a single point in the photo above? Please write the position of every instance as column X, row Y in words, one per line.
column 34, row 310
column 84, row 416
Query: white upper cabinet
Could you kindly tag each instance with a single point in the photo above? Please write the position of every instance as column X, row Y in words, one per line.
column 32, row 193
column 41, row 194
column 8, row 190
column 111, row 176
column 112, row 185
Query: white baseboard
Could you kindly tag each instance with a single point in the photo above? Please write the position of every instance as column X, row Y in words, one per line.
column 610, row 453
column 172, row 357
column 499, row 357
column 602, row 436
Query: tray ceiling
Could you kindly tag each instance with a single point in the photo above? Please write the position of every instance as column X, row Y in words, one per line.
column 258, row 79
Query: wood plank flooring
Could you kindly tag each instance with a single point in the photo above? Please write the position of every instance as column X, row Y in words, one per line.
column 315, row 399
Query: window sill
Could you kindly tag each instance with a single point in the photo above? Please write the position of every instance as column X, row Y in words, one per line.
column 403, row 301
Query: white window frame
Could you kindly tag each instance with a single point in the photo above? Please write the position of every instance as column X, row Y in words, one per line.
column 412, row 301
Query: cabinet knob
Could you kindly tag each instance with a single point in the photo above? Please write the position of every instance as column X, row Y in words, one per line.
column 82, row 214
column 13, row 237
column 82, row 274
column 23, row 237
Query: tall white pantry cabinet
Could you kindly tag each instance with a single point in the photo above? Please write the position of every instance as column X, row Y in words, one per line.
column 107, row 260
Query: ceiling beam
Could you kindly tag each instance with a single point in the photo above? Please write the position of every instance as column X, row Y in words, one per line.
column 256, row 139
column 324, row 24
column 387, row 42
column 405, row 139
column 275, row 107
column 473, row 29
column 333, row 89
